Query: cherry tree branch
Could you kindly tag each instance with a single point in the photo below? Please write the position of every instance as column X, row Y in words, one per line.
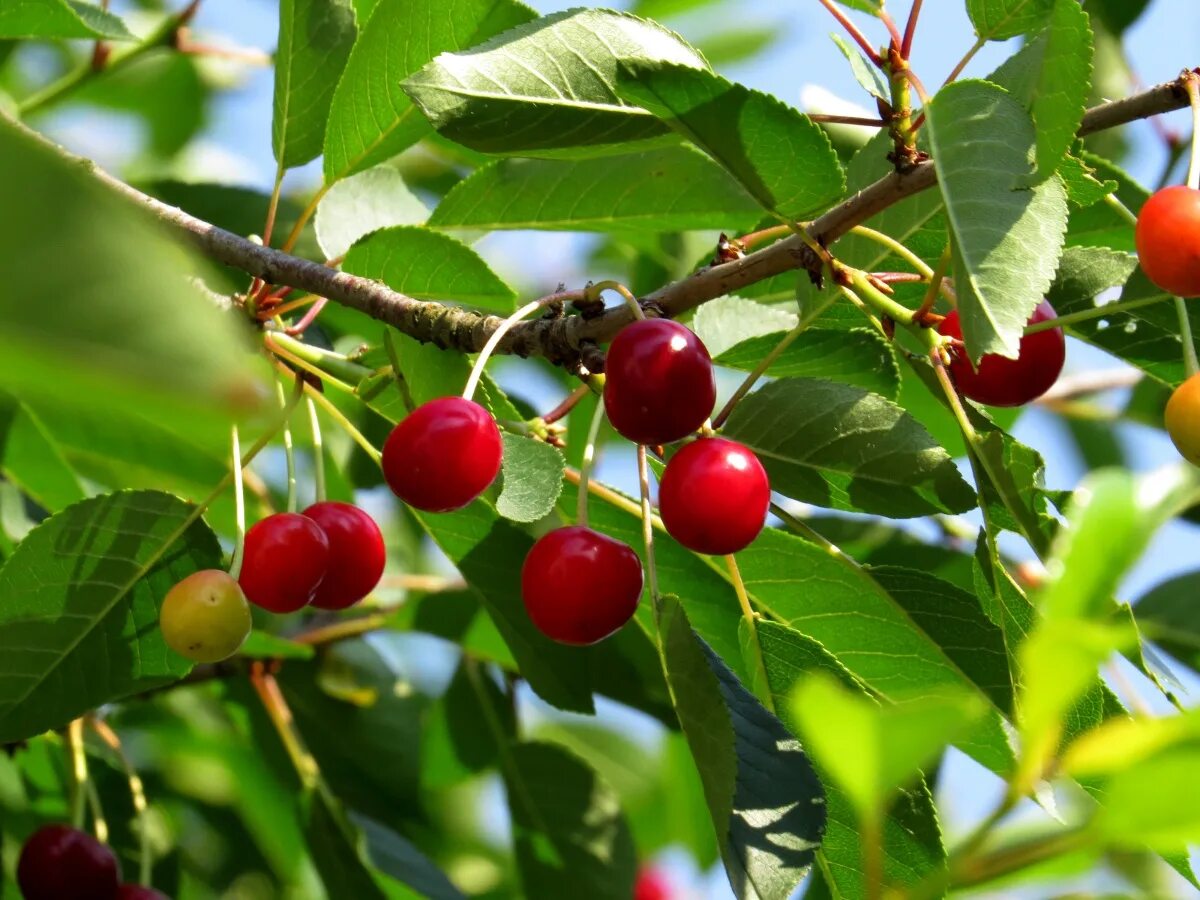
column 568, row 339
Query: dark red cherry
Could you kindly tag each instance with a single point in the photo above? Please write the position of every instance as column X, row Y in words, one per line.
column 139, row 892
column 580, row 585
column 658, row 382
column 651, row 884
column 286, row 557
column 356, row 554
column 443, row 455
column 714, row 495
column 1000, row 381
column 59, row 862
column 1168, row 240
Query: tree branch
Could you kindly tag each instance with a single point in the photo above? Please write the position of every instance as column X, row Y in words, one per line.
column 568, row 339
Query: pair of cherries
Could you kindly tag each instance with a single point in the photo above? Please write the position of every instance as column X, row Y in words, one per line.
column 579, row 585
column 63, row 863
column 330, row 556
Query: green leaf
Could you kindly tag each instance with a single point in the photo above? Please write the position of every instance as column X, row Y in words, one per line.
column 764, row 798
column 95, row 332
column 1117, row 15
column 395, row 856
column 1051, row 77
column 780, row 156
column 1083, row 187
column 315, row 37
column 822, row 442
column 866, row 73
column 727, row 321
column 1125, row 742
column 570, row 834
column 998, row 20
column 549, row 87
column 911, row 835
column 264, row 645
column 336, row 851
column 1169, row 616
column 670, row 189
column 1100, row 225
column 1154, row 804
column 982, row 143
column 363, row 203
column 731, row 45
column 79, row 601
column 460, row 735
column 361, row 719
column 370, row 118
column 31, row 459
column 1110, row 521
column 429, row 265
column 858, row 357
column 533, row 477
column 870, row 750
column 60, row 19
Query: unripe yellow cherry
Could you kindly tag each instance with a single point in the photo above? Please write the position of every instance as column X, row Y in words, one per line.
column 205, row 617
column 1183, row 419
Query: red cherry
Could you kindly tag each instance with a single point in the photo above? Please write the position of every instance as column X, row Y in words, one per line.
column 651, row 884
column 658, row 382
column 714, row 496
column 1000, row 381
column 286, row 557
column 1168, row 240
column 443, row 455
column 579, row 585
column 356, row 554
column 139, row 892
column 59, row 862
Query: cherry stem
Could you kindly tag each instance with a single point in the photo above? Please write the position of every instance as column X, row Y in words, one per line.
column 886, row 18
column 318, row 449
column 910, row 29
column 952, row 397
column 99, row 823
column 289, row 451
column 589, row 457
column 275, row 343
column 571, row 401
column 754, row 238
column 346, row 425
column 79, row 773
column 863, row 308
column 1191, row 83
column 397, row 374
column 292, row 305
column 308, row 318
column 1190, row 363
column 852, row 29
column 494, row 341
column 340, row 631
column 273, row 206
column 896, row 247
column 1097, row 312
column 830, row 119
column 137, row 793
column 239, row 500
column 979, row 44
column 611, row 497
column 595, row 290
column 936, row 282
column 280, row 715
column 648, row 526
column 305, row 215
column 762, row 687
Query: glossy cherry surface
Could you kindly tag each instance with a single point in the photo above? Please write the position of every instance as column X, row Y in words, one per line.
column 356, row 554
column 1168, row 240
column 443, row 455
column 579, row 585
column 714, row 495
column 139, row 892
column 59, row 862
column 286, row 557
column 205, row 617
column 652, row 884
column 1000, row 381
column 1182, row 419
column 659, row 385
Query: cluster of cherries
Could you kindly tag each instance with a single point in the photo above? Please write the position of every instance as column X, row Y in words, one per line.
column 1168, row 245
column 580, row 586
column 62, row 863
column 329, row 557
